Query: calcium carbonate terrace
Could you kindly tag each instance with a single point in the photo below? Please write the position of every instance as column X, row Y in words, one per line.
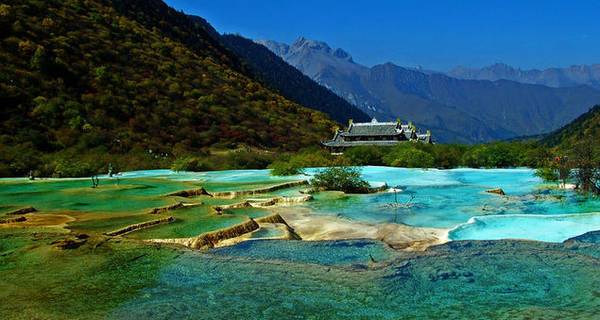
column 139, row 226
column 453, row 203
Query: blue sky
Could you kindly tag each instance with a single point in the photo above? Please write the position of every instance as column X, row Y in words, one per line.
column 436, row 35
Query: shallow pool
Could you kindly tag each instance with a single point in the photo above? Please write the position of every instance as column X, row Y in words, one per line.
column 450, row 199
column 457, row 199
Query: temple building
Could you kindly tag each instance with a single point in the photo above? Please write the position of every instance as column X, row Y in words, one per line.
column 375, row 133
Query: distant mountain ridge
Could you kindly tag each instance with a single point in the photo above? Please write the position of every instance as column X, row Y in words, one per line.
column 316, row 60
column 553, row 77
column 277, row 75
column 457, row 110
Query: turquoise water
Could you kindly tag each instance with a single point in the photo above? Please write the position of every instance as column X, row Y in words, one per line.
column 334, row 280
column 209, row 176
column 326, row 253
column 554, row 228
column 452, row 199
column 457, row 199
column 268, row 233
column 285, row 279
column 449, row 199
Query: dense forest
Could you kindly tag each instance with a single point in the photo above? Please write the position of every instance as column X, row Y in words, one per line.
column 421, row 155
column 132, row 82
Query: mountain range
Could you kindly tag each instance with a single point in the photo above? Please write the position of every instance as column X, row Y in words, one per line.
column 456, row 110
column 553, row 77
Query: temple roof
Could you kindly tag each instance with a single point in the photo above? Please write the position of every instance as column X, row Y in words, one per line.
column 424, row 138
column 392, row 132
column 373, row 128
column 341, row 143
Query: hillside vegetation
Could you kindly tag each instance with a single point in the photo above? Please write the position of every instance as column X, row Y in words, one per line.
column 132, row 82
column 585, row 127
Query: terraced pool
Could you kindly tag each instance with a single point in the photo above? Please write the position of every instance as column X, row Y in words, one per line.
column 353, row 273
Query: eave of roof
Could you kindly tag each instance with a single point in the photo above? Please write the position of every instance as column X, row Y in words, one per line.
column 361, row 143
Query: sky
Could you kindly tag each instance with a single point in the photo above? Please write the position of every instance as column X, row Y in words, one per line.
column 436, row 35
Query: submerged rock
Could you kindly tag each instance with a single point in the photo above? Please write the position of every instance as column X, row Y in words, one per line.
column 21, row 211
column 234, row 194
column 282, row 200
column 68, row 244
column 263, row 203
column 276, row 218
column 190, row 193
column 588, row 237
column 221, row 208
column 13, row 220
column 231, row 235
column 496, row 191
column 167, row 208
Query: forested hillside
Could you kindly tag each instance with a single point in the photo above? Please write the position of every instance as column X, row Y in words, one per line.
column 131, row 81
column 585, row 128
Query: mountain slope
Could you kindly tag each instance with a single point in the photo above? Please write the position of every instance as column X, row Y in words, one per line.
column 553, row 77
column 514, row 107
column 277, row 75
column 129, row 76
column 282, row 78
column 585, row 126
column 455, row 109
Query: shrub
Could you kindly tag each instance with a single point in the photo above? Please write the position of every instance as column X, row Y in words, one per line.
column 501, row 155
column 192, row 164
column 587, row 163
column 346, row 179
column 316, row 157
column 547, row 174
column 364, row 155
column 293, row 163
column 286, row 166
column 73, row 168
column 406, row 155
column 448, row 155
column 243, row 160
column 475, row 157
column 536, row 156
